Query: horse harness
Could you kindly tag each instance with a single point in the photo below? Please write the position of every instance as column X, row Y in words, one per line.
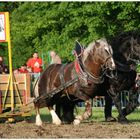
column 55, row 91
column 62, row 87
column 79, row 72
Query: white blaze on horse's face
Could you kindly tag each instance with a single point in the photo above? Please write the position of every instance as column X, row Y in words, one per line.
column 110, row 51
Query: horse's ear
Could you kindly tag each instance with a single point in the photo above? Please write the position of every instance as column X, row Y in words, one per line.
column 78, row 48
column 97, row 43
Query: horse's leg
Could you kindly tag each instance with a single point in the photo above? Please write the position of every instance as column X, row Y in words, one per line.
column 65, row 110
column 133, row 102
column 108, row 109
column 55, row 118
column 133, row 95
column 86, row 114
column 58, row 108
column 115, row 96
column 68, row 111
column 38, row 118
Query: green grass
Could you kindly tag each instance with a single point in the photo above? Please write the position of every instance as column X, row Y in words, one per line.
column 97, row 114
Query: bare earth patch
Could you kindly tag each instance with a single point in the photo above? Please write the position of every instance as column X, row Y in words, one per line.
column 84, row 130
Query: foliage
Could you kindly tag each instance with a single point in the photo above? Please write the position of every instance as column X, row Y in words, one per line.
column 138, row 68
column 45, row 26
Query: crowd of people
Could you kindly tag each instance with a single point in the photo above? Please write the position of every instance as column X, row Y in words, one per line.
column 32, row 66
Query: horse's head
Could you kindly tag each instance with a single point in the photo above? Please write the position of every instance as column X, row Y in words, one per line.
column 102, row 54
column 98, row 59
column 127, row 43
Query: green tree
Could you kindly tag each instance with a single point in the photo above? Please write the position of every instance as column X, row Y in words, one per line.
column 45, row 26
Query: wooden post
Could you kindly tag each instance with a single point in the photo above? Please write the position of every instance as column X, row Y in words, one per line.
column 10, row 60
column 0, row 102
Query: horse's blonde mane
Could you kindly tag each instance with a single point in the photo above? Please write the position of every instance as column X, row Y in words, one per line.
column 91, row 46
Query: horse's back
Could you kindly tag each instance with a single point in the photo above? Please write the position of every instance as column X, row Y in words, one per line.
column 46, row 81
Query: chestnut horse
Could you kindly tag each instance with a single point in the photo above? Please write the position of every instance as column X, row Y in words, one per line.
column 76, row 80
column 126, row 48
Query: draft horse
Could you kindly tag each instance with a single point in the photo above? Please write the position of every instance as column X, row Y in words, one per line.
column 126, row 48
column 76, row 80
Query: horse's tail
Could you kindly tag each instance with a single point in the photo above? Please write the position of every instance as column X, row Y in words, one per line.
column 35, row 91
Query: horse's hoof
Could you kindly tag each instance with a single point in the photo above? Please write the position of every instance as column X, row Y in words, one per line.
column 38, row 123
column 66, row 120
column 76, row 122
column 110, row 119
column 58, row 122
column 123, row 120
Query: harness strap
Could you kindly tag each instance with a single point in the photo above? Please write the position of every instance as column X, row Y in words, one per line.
column 81, row 70
column 55, row 91
column 62, row 79
column 96, row 80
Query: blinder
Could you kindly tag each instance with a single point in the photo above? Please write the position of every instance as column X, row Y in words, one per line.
column 79, row 49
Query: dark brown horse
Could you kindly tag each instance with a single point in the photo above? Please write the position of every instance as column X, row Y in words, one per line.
column 76, row 80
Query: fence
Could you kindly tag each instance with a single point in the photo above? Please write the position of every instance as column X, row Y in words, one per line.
column 21, row 87
column 99, row 101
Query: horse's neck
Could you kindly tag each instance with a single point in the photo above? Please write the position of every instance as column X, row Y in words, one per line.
column 119, row 56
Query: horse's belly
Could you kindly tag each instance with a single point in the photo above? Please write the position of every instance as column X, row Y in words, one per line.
column 90, row 90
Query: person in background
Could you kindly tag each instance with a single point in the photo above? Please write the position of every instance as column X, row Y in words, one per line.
column 35, row 63
column 16, row 71
column 3, row 67
column 55, row 59
column 23, row 69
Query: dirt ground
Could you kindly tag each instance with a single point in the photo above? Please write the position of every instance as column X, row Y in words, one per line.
column 84, row 130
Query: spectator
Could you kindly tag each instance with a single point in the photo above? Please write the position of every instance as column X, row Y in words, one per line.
column 35, row 63
column 23, row 69
column 29, row 70
column 3, row 67
column 54, row 58
column 16, row 71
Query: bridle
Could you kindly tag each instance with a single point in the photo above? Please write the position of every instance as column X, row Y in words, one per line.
column 90, row 77
column 133, row 52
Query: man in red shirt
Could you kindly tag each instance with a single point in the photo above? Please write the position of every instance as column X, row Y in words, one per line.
column 35, row 64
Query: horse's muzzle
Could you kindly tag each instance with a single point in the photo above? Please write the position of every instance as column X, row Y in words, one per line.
column 111, row 66
column 111, row 74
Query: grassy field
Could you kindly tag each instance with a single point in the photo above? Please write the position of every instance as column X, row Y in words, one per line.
column 97, row 114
